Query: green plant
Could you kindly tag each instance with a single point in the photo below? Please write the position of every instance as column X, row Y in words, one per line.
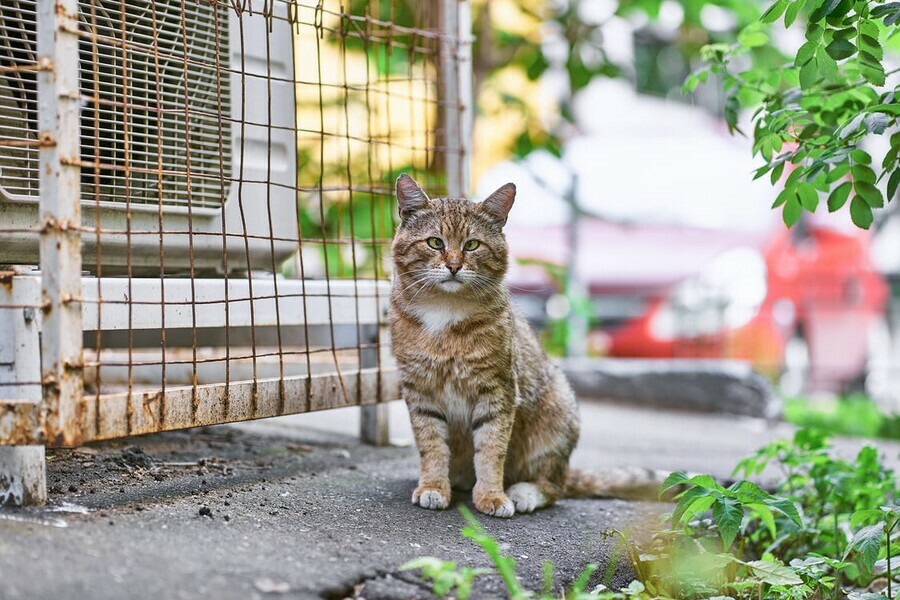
column 828, row 528
column 853, row 415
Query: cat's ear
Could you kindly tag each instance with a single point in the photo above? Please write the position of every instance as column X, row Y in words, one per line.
column 498, row 204
column 410, row 196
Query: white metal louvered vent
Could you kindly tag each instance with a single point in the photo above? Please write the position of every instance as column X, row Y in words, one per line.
column 18, row 98
column 156, row 101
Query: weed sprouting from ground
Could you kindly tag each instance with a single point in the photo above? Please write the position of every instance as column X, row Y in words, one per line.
column 829, row 528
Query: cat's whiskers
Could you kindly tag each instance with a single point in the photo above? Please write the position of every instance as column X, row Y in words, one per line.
column 482, row 284
column 418, row 279
column 431, row 282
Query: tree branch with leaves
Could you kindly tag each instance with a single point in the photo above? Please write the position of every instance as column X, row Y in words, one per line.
column 813, row 114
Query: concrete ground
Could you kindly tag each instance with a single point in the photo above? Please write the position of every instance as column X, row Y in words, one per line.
column 297, row 508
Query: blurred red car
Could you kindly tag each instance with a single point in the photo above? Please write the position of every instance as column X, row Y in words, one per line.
column 804, row 305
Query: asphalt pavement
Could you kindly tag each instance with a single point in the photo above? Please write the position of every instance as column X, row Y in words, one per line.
column 296, row 507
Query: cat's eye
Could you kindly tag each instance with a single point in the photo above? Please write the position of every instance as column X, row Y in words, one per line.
column 436, row 243
column 471, row 245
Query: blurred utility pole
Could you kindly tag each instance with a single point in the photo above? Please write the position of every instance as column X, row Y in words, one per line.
column 576, row 293
column 574, row 290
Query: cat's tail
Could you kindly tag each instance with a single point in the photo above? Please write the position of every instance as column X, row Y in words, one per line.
column 626, row 483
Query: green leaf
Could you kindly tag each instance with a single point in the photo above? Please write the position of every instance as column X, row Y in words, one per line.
column 827, row 7
column 760, row 172
column 704, row 481
column 747, row 491
column 870, row 193
column 868, row 28
column 809, row 75
column 838, row 172
column 861, row 212
column 783, row 197
column 582, row 580
column 871, row 45
column 674, row 479
column 776, row 173
column 728, row 515
column 846, row 33
column 839, row 196
column 867, row 514
column 826, row 65
column 790, row 15
column 427, row 562
column 787, row 508
column 809, row 197
column 860, row 157
column 773, row 573
column 685, row 499
column 765, row 515
column 866, row 544
column 840, row 49
column 752, row 37
column 892, row 184
column 774, row 11
column 871, row 70
column 862, row 174
column 634, row 588
column 805, row 54
column 791, row 211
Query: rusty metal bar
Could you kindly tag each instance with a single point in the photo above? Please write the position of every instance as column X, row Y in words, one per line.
column 138, row 413
column 153, row 411
column 60, row 218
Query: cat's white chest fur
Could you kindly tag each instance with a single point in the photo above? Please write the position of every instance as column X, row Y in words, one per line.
column 436, row 317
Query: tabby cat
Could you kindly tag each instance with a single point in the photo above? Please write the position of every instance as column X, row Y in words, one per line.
column 489, row 411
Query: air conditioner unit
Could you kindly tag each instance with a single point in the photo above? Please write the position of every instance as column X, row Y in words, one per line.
column 188, row 134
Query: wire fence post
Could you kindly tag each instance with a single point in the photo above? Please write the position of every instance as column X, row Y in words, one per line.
column 456, row 84
column 60, row 218
column 22, row 468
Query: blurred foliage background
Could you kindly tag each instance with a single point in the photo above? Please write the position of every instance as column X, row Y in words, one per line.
column 817, row 73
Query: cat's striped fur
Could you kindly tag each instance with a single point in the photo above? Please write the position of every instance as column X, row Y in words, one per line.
column 489, row 411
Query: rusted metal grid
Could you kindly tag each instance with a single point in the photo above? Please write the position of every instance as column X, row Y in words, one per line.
column 207, row 191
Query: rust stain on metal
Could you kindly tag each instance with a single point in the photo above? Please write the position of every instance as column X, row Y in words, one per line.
column 63, row 13
column 48, row 225
column 6, row 279
column 46, row 140
column 46, row 304
column 76, row 365
column 151, row 398
column 45, row 63
column 20, row 424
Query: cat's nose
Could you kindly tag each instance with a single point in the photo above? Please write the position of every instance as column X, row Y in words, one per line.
column 454, row 266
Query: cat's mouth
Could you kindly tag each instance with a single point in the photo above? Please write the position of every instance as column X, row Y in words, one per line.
column 451, row 284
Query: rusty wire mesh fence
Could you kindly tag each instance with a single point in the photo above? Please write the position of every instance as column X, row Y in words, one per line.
column 207, row 189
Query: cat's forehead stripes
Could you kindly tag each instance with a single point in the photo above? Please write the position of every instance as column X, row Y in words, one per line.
column 455, row 218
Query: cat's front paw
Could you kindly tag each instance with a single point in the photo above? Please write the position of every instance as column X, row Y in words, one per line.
column 431, row 497
column 495, row 504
